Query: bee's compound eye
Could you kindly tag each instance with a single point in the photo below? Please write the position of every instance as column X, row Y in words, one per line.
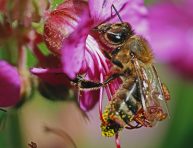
column 116, row 37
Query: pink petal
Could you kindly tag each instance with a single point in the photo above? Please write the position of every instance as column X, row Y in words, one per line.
column 102, row 9
column 188, row 5
column 96, row 69
column 61, row 22
column 95, row 8
column 94, row 60
column 10, row 85
column 135, row 13
column 51, row 76
column 88, row 99
column 73, row 55
column 73, row 50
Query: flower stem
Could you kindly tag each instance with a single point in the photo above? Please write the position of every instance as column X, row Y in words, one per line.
column 21, row 58
column 26, row 88
column 14, row 130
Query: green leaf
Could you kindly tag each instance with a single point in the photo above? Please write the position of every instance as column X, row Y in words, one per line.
column 14, row 130
column 8, row 52
column 42, row 46
column 39, row 27
column 3, row 116
column 55, row 3
column 1, row 17
column 31, row 59
column 148, row 2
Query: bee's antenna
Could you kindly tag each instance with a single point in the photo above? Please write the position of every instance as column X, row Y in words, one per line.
column 117, row 13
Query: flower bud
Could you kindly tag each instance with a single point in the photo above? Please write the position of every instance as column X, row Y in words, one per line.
column 10, row 85
column 60, row 23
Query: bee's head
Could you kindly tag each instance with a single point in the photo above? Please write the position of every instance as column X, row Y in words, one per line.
column 114, row 35
column 110, row 129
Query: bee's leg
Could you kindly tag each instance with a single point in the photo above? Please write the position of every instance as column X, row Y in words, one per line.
column 107, row 55
column 117, row 63
column 117, row 119
column 115, row 51
column 122, row 123
column 111, row 56
column 141, row 119
column 112, row 77
column 84, row 84
column 166, row 92
column 129, row 126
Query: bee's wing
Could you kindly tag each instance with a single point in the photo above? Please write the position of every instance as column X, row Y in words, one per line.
column 151, row 90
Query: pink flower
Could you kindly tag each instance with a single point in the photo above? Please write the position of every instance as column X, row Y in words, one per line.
column 81, row 52
column 68, row 33
column 59, row 24
column 171, row 34
column 53, row 83
column 10, row 85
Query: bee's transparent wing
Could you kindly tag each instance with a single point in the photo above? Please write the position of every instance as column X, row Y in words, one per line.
column 152, row 95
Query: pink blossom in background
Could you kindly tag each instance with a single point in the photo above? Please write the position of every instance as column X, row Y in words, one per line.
column 10, row 85
column 171, row 31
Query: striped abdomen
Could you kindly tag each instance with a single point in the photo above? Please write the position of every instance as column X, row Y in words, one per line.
column 122, row 108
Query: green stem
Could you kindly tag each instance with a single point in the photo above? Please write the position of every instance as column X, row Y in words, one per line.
column 22, row 58
column 14, row 130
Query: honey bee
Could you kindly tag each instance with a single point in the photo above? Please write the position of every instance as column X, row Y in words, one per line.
column 142, row 98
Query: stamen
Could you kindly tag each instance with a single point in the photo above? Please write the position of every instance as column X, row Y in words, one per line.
column 101, row 100
column 108, row 92
column 117, row 140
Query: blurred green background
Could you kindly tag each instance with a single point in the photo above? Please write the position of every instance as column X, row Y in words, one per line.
column 28, row 123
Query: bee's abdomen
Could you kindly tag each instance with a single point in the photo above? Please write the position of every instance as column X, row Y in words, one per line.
column 126, row 101
column 132, row 105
